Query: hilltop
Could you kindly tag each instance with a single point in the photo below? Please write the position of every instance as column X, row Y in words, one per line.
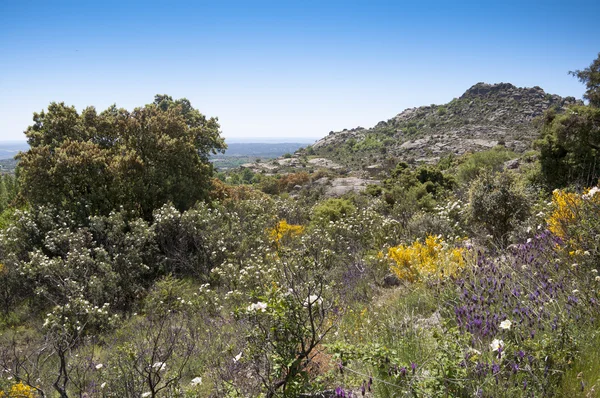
column 484, row 116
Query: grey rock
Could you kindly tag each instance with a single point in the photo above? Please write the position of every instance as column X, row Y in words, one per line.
column 512, row 164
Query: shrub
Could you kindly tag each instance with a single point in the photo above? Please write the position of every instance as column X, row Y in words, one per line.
column 496, row 204
column 19, row 390
column 526, row 312
column 289, row 181
column 575, row 219
column 283, row 231
column 332, row 210
column 486, row 161
column 420, row 261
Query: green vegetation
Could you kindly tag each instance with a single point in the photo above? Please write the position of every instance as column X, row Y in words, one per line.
column 484, row 161
column 92, row 163
column 129, row 270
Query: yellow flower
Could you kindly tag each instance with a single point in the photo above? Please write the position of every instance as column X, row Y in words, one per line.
column 20, row 390
column 284, row 230
column 432, row 259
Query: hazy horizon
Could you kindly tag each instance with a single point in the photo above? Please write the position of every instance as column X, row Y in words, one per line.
column 283, row 70
column 251, row 140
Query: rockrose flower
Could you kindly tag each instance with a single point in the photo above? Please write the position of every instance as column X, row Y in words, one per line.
column 312, row 300
column 497, row 344
column 258, row 306
column 196, row 381
column 506, row 324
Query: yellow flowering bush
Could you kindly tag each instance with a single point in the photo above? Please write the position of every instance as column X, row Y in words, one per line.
column 283, row 230
column 434, row 258
column 19, row 390
column 571, row 210
column 565, row 212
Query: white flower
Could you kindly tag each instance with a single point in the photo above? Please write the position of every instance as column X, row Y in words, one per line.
column 237, row 357
column 196, row 381
column 591, row 193
column 103, row 385
column 313, row 299
column 506, row 324
column 146, row 394
column 160, row 366
column 575, row 291
column 497, row 344
column 99, row 366
column 258, row 306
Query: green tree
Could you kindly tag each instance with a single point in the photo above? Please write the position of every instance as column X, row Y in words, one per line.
column 92, row 163
column 590, row 76
column 570, row 142
column 569, row 147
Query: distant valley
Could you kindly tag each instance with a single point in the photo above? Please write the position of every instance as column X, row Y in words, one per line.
column 237, row 153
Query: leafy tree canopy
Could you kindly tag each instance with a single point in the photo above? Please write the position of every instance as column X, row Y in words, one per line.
column 91, row 163
column 570, row 142
column 590, row 76
column 570, row 146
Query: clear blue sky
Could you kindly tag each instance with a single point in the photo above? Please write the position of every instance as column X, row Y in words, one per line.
column 282, row 69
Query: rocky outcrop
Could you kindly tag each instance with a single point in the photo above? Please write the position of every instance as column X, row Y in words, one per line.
column 486, row 115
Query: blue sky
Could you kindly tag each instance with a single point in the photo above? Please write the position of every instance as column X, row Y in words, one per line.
column 284, row 70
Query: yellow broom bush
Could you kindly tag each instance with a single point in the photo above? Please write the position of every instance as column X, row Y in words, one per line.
column 419, row 261
column 19, row 390
column 283, row 230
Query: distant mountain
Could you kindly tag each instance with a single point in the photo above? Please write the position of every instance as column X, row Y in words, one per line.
column 266, row 150
column 238, row 154
column 8, row 149
column 484, row 116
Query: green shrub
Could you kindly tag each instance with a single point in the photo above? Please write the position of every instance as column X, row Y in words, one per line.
column 496, row 204
column 474, row 164
column 332, row 210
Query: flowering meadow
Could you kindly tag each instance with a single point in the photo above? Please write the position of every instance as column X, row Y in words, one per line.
column 261, row 295
column 460, row 279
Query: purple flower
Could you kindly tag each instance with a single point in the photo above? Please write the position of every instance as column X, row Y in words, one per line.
column 495, row 368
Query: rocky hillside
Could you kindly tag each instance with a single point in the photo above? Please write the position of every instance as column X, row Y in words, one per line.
column 484, row 116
